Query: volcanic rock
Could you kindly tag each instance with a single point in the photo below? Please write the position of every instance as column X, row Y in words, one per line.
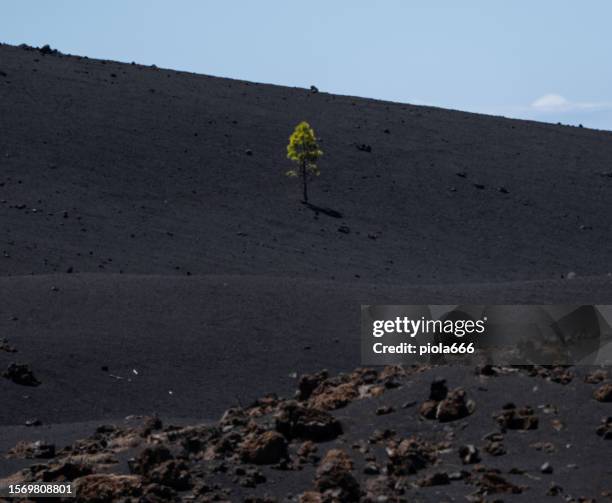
column 454, row 406
column 296, row 421
column 334, row 475
column 513, row 418
column 603, row 393
column 103, row 488
column 604, row 430
column 20, row 373
column 264, row 449
column 409, row 456
column 469, row 454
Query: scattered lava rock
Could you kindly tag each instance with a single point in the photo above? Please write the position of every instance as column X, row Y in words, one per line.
column 64, row 471
column 546, row 468
column 32, row 450
column 604, row 430
column 434, row 479
column 379, row 489
column 46, row 49
column 454, row 406
column 264, row 449
column 334, row 476
column 438, row 390
column 491, row 482
column 150, row 458
column 445, row 405
column 20, row 373
column 495, row 445
column 410, row 455
column 512, row 418
column 102, row 488
column 171, row 473
column 309, row 382
column 6, row 347
column 296, row 421
column 469, row 454
column 596, row 377
column 603, row 393
column 384, row 410
column 364, row 147
column 307, row 452
column 216, row 462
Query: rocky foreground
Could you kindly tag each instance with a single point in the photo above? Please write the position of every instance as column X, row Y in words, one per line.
column 391, row 435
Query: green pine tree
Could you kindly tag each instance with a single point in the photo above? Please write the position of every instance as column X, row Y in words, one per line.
column 304, row 150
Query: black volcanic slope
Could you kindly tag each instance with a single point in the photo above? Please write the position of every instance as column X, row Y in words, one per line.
column 156, row 260
column 108, row 167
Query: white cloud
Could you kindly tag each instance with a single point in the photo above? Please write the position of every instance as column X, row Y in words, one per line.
column 551, row 102
column 557, row 103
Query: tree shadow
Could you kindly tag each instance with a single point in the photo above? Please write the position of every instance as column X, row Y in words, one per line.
column 320, row 209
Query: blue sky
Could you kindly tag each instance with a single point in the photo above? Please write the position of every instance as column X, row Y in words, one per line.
column 548, row 60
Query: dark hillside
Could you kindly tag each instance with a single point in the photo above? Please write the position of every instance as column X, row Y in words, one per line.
column 109, row 167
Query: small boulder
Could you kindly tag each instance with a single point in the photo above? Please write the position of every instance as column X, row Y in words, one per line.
column 434, row 479
column 20, row 373
column 264, row 449
column 151, row 457
column 296, row 421
column 438, row 390
column 512, row 418
column 603, row 393
column 454, row 406
column 469, row 454
column 101, row 488
column 334, row 475
column 65, row 471
column 604, row 430
column 309, row 382
column 410, row 456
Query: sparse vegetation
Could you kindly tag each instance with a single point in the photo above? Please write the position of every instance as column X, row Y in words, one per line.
column 304, row 150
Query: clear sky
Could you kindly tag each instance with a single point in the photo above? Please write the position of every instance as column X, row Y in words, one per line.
column 548, row 60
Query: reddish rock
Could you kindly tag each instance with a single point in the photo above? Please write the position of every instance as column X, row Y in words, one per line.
column 379, row 489
column 309, row 382
column 149, row 458
column 596, row 377
column 334, row 475
column 434, row 479
column 603, row 393
column 172, row 473
column 296, row 421
column 334, row 397
column 454, row 406
column 491, row 482
column 428, row 409
column 65, row 471
column 102, row 488
column 264, row 449
column 32, row 450
column 512, row 418
column 311, row 497
column 410, row 456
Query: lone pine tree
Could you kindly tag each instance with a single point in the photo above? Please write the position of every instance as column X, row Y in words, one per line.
column 304, row 151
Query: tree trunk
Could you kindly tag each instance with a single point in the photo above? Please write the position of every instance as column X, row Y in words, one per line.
column 304, row 182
